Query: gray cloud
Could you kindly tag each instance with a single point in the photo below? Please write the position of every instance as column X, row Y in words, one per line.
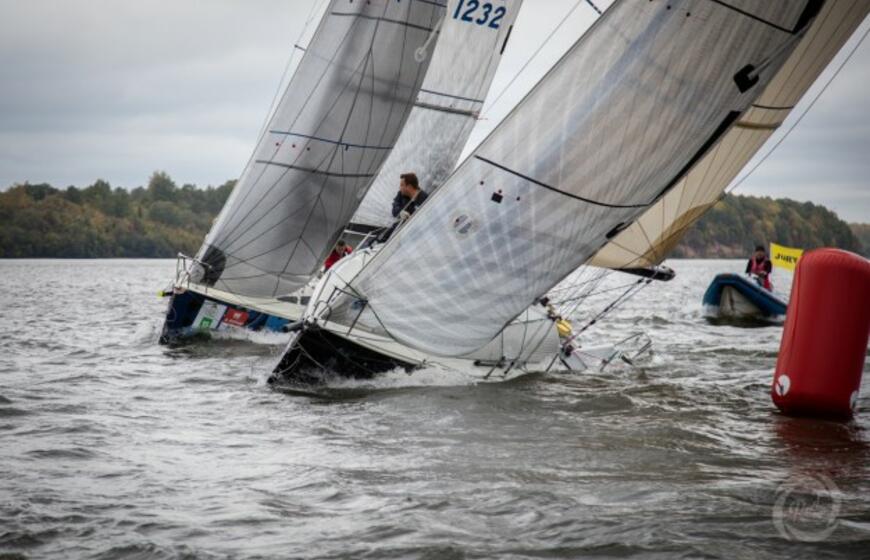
column 115, row 90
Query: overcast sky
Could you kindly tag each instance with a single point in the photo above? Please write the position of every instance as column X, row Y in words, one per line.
column 116, row 90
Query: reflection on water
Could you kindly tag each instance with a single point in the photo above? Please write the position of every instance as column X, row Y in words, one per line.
column 114, row 447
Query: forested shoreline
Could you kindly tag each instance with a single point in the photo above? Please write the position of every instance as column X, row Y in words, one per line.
column 162, row 219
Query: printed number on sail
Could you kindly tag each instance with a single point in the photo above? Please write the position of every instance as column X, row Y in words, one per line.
column 466, row 11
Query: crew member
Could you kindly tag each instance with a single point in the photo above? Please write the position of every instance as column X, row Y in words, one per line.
column 409, row 188
column 759, row 267
column 407, row 200
column 340, row 250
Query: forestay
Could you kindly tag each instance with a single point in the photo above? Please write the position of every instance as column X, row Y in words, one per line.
column 470, row 45
column 648, row 240
column 329, row 135
column 637, row 101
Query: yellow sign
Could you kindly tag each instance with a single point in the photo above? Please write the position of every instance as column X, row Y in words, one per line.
column 784, row 257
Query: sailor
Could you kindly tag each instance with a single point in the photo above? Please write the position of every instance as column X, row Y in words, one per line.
column 407, row 200
column 340, row 250
column 409, row 188
column 759, row 267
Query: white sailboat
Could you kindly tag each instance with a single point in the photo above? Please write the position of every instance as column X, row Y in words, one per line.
column 371, row 70
column 642, row 123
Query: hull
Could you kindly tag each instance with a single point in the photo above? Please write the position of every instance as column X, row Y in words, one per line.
column 733, row 297
column 315, row 352
column 195, row 311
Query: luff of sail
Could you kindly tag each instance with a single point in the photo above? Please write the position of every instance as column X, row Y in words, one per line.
column 648, row 241
column 643, row 95
column 448, row 105
column 332, row 130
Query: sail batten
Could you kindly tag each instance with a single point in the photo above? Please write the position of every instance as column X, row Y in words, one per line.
column 641, row 100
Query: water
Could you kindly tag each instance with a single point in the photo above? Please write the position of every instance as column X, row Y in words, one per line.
column 114, row 447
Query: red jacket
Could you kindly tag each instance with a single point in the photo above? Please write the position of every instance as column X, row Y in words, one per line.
column 335, row 256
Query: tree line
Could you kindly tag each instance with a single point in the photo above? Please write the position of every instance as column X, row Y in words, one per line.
column 163, row 219
column 736, row 224
column 159, row 220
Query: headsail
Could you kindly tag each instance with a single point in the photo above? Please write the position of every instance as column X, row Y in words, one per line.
column 635, row 103
column 648, row 240
column 470, row 47
column 332, row 130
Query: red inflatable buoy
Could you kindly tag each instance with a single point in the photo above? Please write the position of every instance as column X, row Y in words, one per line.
column 824, row 342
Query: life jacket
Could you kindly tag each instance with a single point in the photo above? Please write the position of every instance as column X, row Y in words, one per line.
column 760, row 272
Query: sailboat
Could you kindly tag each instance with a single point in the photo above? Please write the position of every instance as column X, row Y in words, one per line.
column 375, row 77
column 626, row 141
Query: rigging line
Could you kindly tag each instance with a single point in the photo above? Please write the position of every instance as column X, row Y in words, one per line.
column 799, row 119
column 546, row 41
column 604, row 291
column 584, row 295
column 610, row 307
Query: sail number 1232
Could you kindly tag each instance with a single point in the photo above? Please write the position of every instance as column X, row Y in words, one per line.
column 473, row 11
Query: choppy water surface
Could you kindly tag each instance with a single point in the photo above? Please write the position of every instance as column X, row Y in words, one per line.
column 114, row 447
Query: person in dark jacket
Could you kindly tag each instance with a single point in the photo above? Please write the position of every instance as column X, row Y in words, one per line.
column 407, row 200
column 409, row 188
column 760, row 267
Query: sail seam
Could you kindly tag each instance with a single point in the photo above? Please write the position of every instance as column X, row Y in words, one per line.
column 554, row 189
column 753, row 16
column 314, row 171
column 328, row 141
column 385, row 20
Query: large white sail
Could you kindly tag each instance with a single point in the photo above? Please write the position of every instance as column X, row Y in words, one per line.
column 329, row 135
column 633, row 105
column 470, row 47
column 649, row 240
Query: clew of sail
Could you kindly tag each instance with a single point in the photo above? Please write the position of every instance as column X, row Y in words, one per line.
column 329, row 135
column 658, row 230
column 640, row 98
column 459, row 77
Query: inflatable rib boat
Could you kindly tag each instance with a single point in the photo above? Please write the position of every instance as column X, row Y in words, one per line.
column 732, row 296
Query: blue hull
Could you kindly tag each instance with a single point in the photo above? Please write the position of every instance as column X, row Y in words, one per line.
column 754, row 301
column 191, row 314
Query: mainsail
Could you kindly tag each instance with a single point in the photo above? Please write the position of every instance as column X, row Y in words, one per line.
column 644, row 95
column 459, row 77
column 648, row 240
column 329, row 135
